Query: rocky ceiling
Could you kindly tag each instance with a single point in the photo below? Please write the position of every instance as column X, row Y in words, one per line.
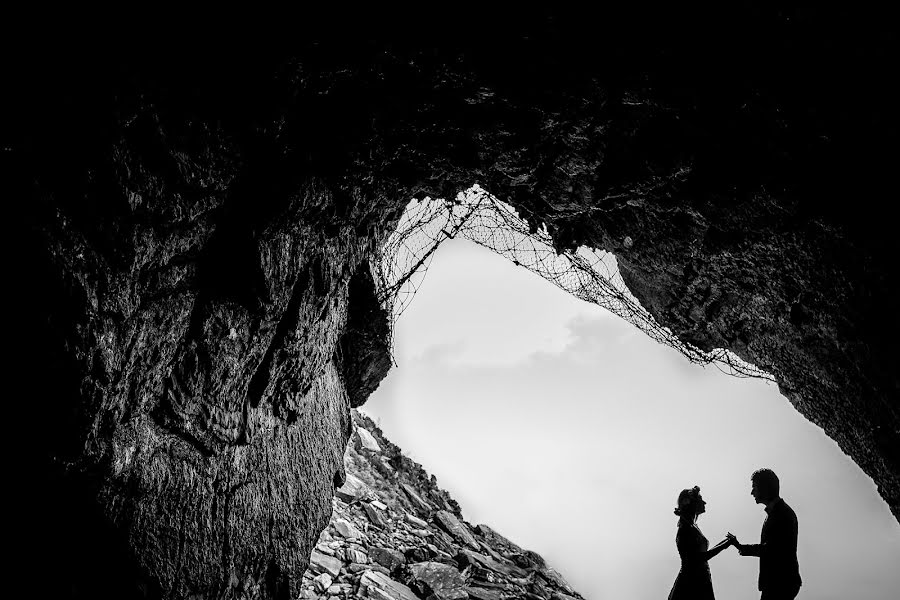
column 193, row 309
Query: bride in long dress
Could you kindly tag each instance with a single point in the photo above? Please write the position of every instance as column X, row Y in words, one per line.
column 694, row 581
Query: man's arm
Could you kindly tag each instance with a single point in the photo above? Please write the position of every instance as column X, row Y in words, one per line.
column 779, row 537
column 744, row 549
column 751, row 549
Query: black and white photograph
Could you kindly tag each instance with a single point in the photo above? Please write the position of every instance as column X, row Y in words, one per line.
column 450, row 302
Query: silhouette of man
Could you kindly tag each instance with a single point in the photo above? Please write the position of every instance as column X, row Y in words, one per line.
column 779, row 572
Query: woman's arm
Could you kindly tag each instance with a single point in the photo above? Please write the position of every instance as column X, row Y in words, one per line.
column 744, row 549
column 716, row 549
column 689, row 546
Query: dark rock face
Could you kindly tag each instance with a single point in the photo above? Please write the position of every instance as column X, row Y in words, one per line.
column 196, row 308
column 365, row 345
column 188, row 299
column 214, row 426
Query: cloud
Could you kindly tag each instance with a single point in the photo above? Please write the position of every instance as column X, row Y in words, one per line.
column 439, row 354
column 498, row 314
column 582, row 338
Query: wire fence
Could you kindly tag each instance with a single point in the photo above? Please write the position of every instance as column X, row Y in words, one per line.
column 479, row 217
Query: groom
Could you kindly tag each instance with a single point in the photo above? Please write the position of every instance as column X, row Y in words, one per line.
column 779, row 573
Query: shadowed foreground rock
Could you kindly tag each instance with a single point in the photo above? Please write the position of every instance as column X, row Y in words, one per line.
column 194, row 227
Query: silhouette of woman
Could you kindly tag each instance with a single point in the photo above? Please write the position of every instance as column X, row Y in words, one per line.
column 694, row 581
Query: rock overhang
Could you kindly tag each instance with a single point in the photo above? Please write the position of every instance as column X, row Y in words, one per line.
column 197, row 229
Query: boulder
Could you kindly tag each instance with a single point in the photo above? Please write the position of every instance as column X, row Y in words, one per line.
column 528, row 560
column 493, row 553
column 322, row 582
column 537, row 587
column 439, row 580
column 414, row 520
column 494, row 538
column 353, row 489
column 375, row 515
column 415, row 499
column 446, row 538
column 416, row 554
column 470, row 557
column 325, row 536
column 377, row 594
column 384, row 586
column 325, row 564
column 387, row 557
column 480, row 593
column 367, row 440
column 347, row 529
column 456, row 528
column 379, row 569
column 555, row 577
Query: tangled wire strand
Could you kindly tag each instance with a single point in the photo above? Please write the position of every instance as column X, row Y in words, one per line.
column 479, row 217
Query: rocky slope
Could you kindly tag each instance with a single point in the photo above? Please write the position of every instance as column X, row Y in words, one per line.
column 194, row 223
column 393, row 534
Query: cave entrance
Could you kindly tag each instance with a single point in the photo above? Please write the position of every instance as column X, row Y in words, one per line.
column 477, row 216
column 572, row 432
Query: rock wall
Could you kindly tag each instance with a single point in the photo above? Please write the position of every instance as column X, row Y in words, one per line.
column 193, row 226
column 195, row 302
column 395, row 534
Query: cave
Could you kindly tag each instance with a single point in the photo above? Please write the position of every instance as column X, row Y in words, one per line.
column 194, row 226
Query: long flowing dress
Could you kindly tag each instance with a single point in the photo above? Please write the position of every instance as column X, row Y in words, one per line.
column 694, row 581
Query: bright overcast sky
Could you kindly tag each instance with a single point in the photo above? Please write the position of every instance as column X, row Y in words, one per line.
column 571, row 432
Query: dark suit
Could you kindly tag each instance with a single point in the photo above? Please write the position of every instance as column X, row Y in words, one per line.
column 779, row 573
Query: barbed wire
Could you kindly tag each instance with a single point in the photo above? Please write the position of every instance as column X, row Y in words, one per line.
column 479, row 217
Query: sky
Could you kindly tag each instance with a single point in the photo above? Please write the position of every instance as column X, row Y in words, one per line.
column 569, row 431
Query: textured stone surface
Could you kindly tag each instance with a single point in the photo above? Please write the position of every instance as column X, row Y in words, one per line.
column 454, row 527
column 353, row 489
column 323, row 562
column 347, row 530
column 421, row 505
column 193, row 309
column 368, row 442
column 480, row 593
column 383, row 583
column 414, row 553
column 375, row 515
column 387, row 557
column 322, row 582
column 469, row 557
column 188, row 301
column 439, row 580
